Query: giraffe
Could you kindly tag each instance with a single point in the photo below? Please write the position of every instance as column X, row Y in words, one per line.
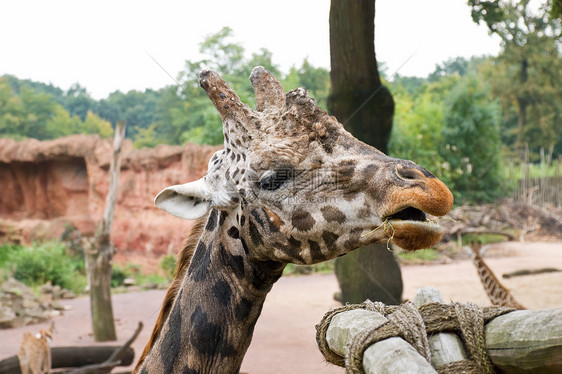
column 497, row 293
column 290, row 186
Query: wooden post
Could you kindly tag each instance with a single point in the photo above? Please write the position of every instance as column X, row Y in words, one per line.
column 526, row 341
column 99, row 255
column 445, row 347
column 522, row 341
column 395, row 355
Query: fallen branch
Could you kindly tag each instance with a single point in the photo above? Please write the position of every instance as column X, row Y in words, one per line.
column 68, row 357
column 518, row 273
column 111, row 362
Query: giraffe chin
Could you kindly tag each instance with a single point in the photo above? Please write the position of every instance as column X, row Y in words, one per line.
column 411, row 235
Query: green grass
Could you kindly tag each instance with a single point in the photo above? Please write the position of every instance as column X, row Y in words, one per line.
column 482, row 238
column 326, row 267
column 421, row 255
column 538, row 170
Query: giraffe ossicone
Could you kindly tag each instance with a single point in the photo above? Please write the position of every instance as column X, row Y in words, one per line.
column 290, row 186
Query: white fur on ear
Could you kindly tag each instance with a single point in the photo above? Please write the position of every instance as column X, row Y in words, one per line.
column 189, row 201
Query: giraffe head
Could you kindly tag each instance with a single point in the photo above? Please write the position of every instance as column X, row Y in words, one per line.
column 301, row 188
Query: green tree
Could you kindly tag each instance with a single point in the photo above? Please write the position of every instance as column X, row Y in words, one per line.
column 26, row 112
column 138, row 109
column 11, row 110
column 457, row 65
column 93, row 124
column 62, row 123
column 417, row 129
column 471, row 142
column 529, row 67
column 78, row 102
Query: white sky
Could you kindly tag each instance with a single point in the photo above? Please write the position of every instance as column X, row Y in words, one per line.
column 101, row 44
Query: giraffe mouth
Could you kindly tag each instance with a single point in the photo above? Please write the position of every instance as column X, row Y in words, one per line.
column 408, row 214
column 410, row 229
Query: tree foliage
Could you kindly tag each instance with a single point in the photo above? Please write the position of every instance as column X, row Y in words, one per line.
column 471, row 147
column 528, row 72
column 31, row 111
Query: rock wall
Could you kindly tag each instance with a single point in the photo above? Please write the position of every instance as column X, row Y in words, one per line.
column 45, row 185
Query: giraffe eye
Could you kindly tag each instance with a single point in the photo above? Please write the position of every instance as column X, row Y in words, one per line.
column 275, row 179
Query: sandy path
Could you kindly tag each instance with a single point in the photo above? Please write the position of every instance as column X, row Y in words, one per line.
column 284, row 338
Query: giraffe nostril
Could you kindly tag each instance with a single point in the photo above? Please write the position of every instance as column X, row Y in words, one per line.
column 409, row 173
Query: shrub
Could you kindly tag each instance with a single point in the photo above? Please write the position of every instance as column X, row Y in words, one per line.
column 118, row 275
column 168, row 265
column 44, row 262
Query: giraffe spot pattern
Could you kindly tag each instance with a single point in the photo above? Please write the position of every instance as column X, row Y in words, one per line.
column 346, row 172
column 201, row 261
column 233, row 232
column 212, row 220
column 291, row 251
column 257, row 217
column 245, row 246
column 223, row 292
column 315, row 251
column 188, row 370
column 235, row 262
column 354, row 238
column 294, row 242
column 243, row 309
column 363, row 213
column 207, row 338
column 329, row 238
column 267, row 274
column 302, row 220
column 255, row 234
column 171, row 342
column 333, row 214
column 222, row 217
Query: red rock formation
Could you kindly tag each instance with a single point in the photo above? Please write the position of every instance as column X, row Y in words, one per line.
column 45, row 185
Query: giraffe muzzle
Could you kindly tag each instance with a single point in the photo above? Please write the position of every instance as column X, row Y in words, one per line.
column 408, row 225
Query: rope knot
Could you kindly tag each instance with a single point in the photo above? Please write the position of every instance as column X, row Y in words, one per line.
column 413, row 325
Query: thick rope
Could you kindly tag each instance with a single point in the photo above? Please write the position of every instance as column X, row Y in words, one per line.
column 413, row 325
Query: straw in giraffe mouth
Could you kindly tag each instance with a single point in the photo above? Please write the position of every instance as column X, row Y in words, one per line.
column 410, row 229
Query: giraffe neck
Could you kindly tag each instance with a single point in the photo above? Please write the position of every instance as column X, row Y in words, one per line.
column 212, row 320
column 497, row 293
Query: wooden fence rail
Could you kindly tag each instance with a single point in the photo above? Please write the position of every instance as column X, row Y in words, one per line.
column 522, row 341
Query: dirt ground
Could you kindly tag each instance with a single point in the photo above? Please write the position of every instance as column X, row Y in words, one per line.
column 284, row 338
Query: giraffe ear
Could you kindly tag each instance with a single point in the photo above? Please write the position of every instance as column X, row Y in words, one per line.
column 189, row 201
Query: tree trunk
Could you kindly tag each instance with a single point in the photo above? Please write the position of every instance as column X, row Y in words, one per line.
column 370, row 273
column 68, row 357
column 99, row 255
column 522, row 103
column 365, row 107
